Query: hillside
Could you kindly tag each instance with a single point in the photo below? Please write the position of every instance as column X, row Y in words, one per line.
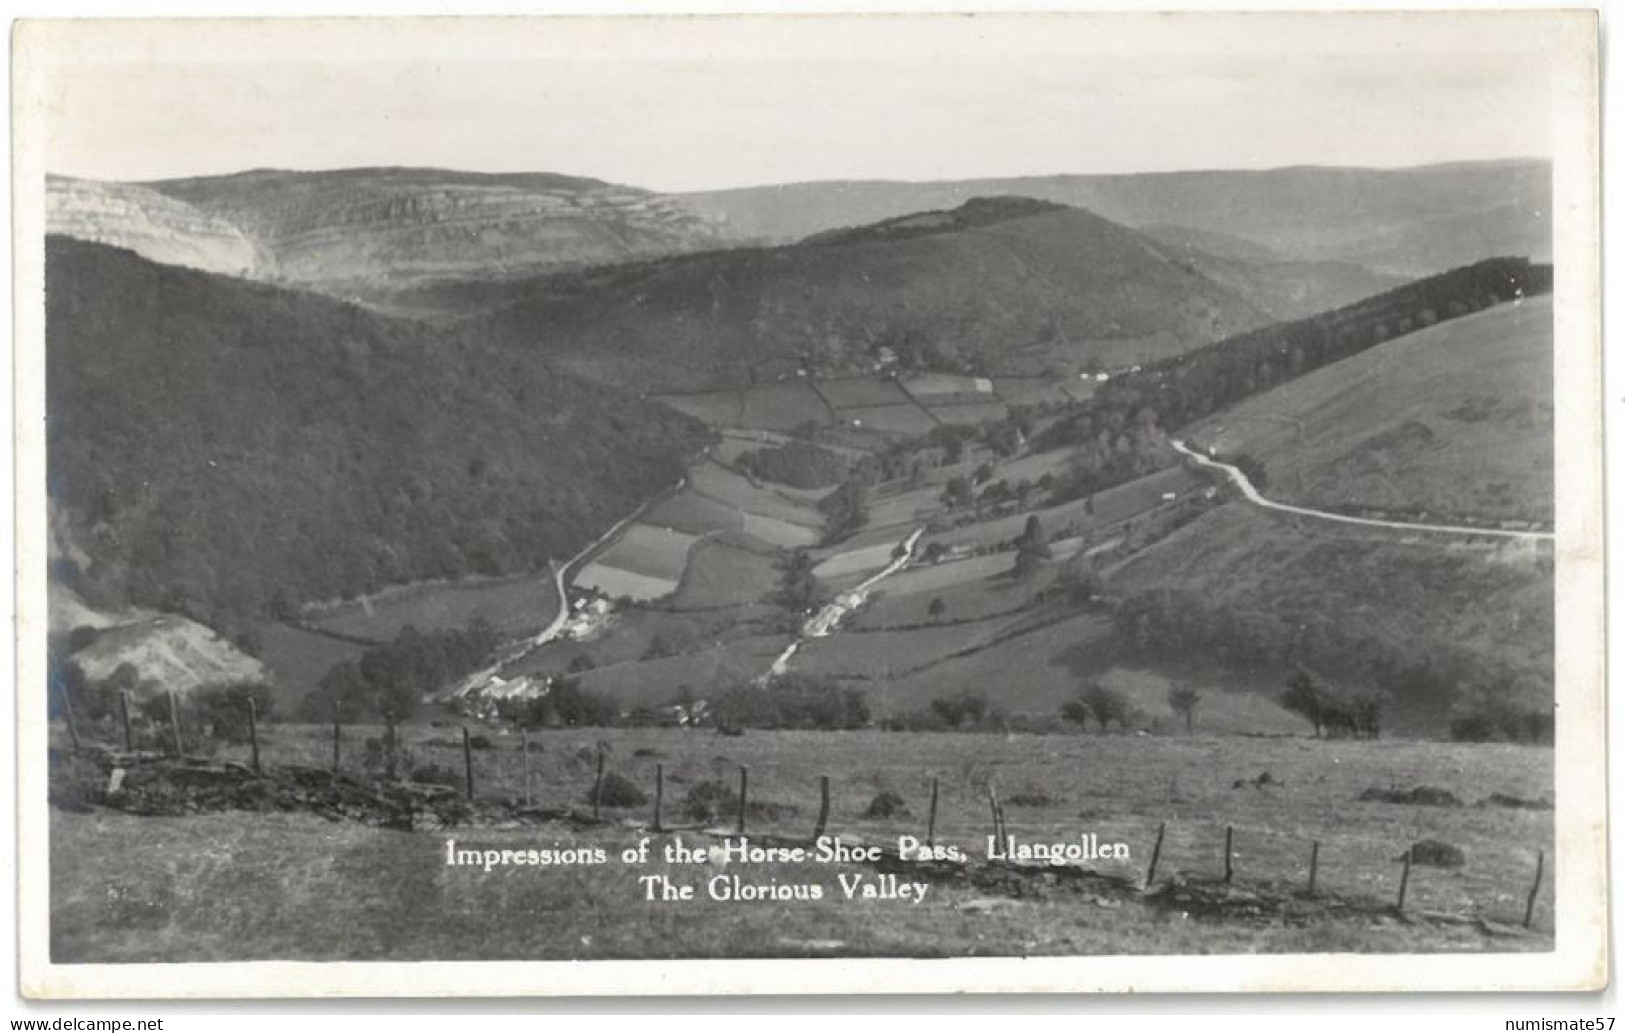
column 997, row 286
column 1456, row 418
column 1454, row 421
column 372, row 232
column 1407, row 222
column 223, row 449
column 1284, row 288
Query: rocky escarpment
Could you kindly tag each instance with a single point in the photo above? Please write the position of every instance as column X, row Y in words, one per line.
column 364, row 230
column 140, row 219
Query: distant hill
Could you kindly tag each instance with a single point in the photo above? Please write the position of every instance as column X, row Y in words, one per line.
column 1000, row 285
column 1405, row 222
column 223, row 449
column 1284, row 288
column 370, row 232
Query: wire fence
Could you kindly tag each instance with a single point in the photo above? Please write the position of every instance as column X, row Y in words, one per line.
column 1389, row 870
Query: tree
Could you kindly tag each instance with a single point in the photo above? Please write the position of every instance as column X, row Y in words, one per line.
column 1033, row 537
column 937, row 608
column 799, row 589
column 1182, row 700
column 1079, row 581
column 1303, row 697
column 1027, row 564
column 1106, row 704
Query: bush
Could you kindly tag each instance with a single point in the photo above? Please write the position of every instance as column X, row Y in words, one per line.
column 710, row 800
column 436, row 775
column 886, row 805
column 1106, row 705
column 618, row 791
column 967, row 707
column 793, row 701
column 568, row 704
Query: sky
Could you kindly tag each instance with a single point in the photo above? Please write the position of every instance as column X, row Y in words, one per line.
column 689, row 104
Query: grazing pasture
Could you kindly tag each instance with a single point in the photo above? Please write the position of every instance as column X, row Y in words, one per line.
column 935, row 577
column 514, row 606
column 857, row 561
column 908, row 418
column 723, row 485
column 1037, row 390
column 297, row 659
column 651, row 551
column 236, row 886
column 783, row 405
column 656, row 682
column 968, row 411
column 717, row 408
column 860, row 392
column 617, row 583
column 719, row 574
column 692, row 513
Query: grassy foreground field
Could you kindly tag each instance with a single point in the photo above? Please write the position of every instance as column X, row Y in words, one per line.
column 238, row 885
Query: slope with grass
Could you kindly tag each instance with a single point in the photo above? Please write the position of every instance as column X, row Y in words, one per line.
column 1453, row 419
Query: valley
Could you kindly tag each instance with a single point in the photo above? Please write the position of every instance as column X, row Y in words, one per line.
column 1073, row 498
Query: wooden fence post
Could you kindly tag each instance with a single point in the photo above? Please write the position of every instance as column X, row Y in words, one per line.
column 67, row 715
column 998, row 813
column 1229, row 839
column 175, row 724
column 1314, row 865
column 254, row 735
column 660, row 793
column 389, row 743
column 124, row 713
column 1156, row 852
column 823, row 806
column 336, row 737
column 524, row 748
column 598, row 782
column 744, row 785
column 468, row 763
column 1529, row 908
column 1404, row 880
column 931, row 822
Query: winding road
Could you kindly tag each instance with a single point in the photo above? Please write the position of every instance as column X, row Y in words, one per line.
column 1246, row 486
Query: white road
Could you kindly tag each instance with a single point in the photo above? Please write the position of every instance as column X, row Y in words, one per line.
column 1240, row 480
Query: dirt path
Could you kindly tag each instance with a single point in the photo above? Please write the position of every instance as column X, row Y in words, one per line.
column 1240, row 480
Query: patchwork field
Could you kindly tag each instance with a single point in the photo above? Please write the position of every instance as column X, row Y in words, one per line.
column 968, row 412
column 718, row 408
column 514, row 606
column 722, row 574
column 908, row 418
column 860, row 392
column 855, row 561
column 783, row 405
column 644, row 562
column 240, row 886
column 1037, row 391
column 930, row 387
column 655, row 682
column 296, row 660
column 722, row 485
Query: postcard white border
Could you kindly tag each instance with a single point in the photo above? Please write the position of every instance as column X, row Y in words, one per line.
column 1579, row 962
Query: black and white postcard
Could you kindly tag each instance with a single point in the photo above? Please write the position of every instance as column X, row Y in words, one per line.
column 851, row 503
